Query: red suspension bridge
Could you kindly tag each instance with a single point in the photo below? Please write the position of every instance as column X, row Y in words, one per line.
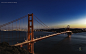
column 16, row 29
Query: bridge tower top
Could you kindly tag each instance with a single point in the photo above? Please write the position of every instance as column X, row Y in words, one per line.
column 68, row 27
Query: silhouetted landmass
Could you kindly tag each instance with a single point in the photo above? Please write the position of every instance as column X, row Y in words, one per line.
column 5, row 48
column 76, row 30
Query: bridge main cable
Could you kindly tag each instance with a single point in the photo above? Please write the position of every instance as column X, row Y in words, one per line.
column 13, row 21
column 40, row 21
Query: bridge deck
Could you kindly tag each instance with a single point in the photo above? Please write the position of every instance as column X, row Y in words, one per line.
column 37, row 39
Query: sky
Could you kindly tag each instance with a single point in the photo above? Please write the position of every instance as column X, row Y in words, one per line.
column 54, row 13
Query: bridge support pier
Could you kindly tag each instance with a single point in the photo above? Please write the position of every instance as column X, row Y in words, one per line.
column 69, row 34
column 21, row 46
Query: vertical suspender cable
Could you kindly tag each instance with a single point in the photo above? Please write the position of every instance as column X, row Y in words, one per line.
column 16, row 31
column 0, row 34
column 19, row 30
column 8, row 33
column 39, row 30
column 23, row 30
column 41, row 21
column 12, row 33
column 3, row 34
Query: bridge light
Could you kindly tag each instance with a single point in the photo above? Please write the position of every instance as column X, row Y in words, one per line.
column 17, row 42
column 24, row 38
column 79, row 48
column 46, row 35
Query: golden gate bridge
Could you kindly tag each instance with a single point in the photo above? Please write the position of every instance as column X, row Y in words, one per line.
column 15, row 25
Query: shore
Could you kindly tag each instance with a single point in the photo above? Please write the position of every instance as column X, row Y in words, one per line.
column 5, row 48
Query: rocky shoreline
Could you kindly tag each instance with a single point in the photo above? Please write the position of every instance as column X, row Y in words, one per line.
column 5, row 48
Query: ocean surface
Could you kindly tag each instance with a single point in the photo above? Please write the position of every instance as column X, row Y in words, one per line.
column 59, row 44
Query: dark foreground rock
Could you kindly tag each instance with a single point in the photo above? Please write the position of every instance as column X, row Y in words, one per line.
column 5, row 48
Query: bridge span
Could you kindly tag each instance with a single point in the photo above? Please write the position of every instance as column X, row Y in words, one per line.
column 30, row 37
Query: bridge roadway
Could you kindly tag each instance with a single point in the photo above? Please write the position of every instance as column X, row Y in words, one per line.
column 41, row 38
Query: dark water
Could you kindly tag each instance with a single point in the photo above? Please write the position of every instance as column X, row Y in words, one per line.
column 59, row 44
column 12, row 37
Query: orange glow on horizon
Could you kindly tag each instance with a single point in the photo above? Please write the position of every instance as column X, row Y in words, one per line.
column 71, row 26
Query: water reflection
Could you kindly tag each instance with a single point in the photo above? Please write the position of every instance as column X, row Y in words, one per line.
column 59, row 47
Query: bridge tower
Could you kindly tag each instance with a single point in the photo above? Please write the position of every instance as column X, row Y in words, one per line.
column 68, row 33
column 68, row 28
column 30, row 33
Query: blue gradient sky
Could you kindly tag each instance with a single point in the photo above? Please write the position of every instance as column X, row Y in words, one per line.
column 54, row 13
